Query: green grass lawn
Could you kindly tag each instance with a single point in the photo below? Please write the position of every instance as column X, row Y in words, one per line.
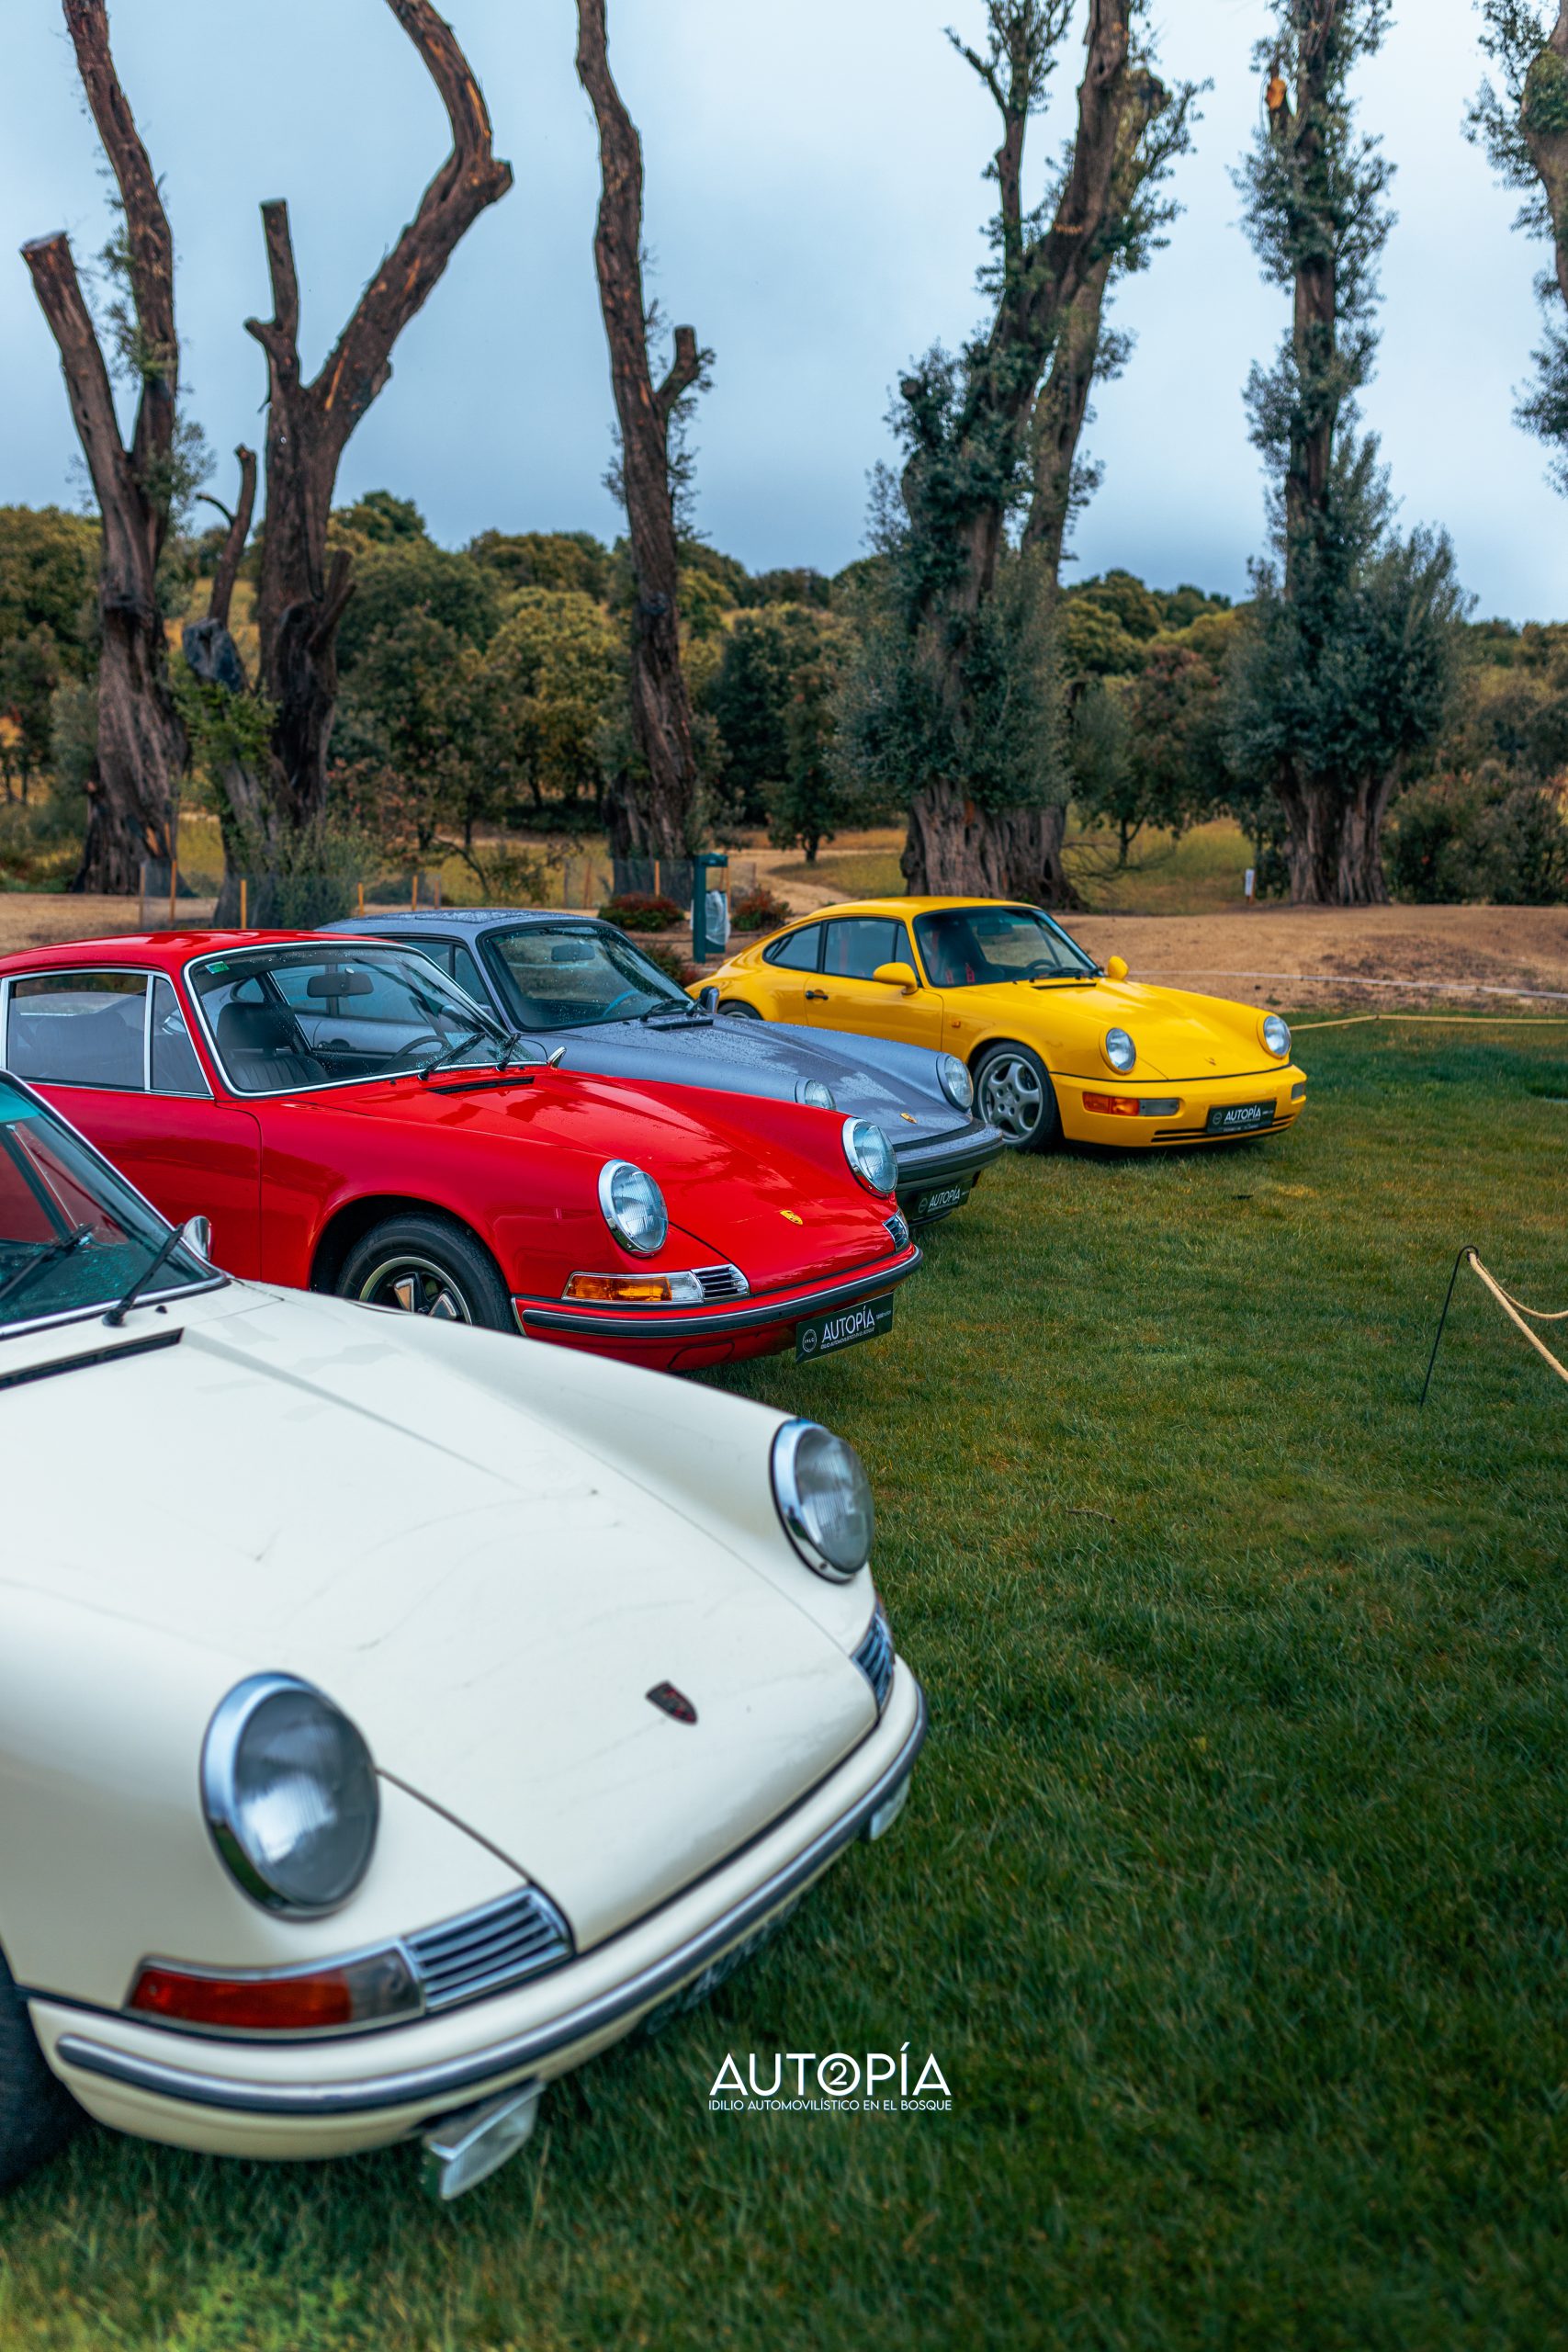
column 1232, row 1891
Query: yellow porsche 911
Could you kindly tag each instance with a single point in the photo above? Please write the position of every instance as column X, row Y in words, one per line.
column 1056, row 1047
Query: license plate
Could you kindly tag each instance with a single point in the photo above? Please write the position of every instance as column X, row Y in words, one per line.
column 1235, row 1117
column 703, row 1987
column 937, row 1203
column 826, row 1334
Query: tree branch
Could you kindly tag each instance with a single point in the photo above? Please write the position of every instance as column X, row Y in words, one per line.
column 59, row 289
column 228, row 566
column 150, row 245
column 279, row 336
column 360, row 362
column 686, row 369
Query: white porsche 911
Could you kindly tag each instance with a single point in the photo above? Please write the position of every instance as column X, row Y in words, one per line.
column 390, row 1718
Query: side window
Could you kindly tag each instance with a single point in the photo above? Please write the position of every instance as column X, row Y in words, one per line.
column 860, row 943
column 434, row 951
column 796, row 951
column 176, row 1070
column 79, row 1029
column 466, row 972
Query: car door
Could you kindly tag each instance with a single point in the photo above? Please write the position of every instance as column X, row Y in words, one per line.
column 787, row 973
column 111, row 1048
column 845, row 996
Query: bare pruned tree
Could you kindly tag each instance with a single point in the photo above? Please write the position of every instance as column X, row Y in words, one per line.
column 652, row 814
column 134, row 794
column 277, row 802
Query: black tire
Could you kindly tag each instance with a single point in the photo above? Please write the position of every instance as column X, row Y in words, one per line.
column 38, row 2113
column 428, row 1264
column 736, row 1011
column 1014, row 1091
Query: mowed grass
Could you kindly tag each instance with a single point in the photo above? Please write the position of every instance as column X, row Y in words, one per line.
column 1231, row 1895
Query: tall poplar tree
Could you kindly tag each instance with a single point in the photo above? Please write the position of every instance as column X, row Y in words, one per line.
column 1346, row 666
column 953, row 708
column 1524, row 128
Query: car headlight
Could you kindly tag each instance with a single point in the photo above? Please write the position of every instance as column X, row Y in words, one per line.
column 817, row 1092
column 824, row 1499
column 632, row 1208
column 1119, row 1049
column 956, row 1083
column 290, row 1795
column 1277, row 1035
column 870, row 1154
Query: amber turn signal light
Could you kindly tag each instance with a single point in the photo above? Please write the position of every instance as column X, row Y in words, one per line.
column 374, row 1987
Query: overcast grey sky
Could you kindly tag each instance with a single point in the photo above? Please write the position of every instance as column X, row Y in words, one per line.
column 815, row 205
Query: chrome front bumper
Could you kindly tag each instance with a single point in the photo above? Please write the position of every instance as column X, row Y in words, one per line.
column 333, row 2096
column 635, row 1324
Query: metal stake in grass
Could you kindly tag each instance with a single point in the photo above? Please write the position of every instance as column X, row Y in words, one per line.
column 1442, row 1319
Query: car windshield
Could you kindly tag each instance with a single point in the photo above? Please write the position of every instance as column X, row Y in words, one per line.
column 965, row 947
column 283, row 1019
column 571, row 976
column 73, row 1236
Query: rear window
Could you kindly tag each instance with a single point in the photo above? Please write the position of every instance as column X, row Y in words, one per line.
column 79, row 1029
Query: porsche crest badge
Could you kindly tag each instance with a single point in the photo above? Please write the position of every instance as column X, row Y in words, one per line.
column 673, row 1702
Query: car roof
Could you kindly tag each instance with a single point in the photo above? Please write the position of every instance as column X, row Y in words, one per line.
column 897, row 908
column 459, row 918
column 164, row 949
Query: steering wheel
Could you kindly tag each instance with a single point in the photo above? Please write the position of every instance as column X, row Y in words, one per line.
column 618, row 1000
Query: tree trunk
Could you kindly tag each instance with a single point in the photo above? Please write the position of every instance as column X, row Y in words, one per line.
column 304, row 592
column 133, row 800
column 954, row 849
column 657, row 815
column 1056, row 426
column 1334, row 845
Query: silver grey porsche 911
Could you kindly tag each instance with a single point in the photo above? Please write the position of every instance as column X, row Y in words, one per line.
column 572, row 982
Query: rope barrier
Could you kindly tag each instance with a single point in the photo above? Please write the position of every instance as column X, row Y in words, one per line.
column 1444, row 1020
column 1514, row 1308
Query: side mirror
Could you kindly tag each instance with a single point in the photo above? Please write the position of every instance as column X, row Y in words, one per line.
column 197, row 1234
column 1115, row 967
column 897, row 976
column 707, row 999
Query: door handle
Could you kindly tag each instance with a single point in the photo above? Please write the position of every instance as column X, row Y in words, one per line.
column 820, row 995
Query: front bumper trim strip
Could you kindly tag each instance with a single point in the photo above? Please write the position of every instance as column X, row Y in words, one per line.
column 696, row 1322
column 420, row 2084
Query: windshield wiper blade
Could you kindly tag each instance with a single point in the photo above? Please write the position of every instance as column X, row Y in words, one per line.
column 442, row 1060
column 51, row 1256
column 166, row 1249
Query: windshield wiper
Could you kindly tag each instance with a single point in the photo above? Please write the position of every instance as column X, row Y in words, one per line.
column 449, row 1054
column 51, row 1256
column 166, row 1249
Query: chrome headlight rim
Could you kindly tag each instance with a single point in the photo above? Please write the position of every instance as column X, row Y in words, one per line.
column 1120, row 1051
column 224, row 1802
column 876, row 1150
column 610, row 1175
column 816, row 1094
column 952, row 1076
column 792, row 1501
column 1275, row 1031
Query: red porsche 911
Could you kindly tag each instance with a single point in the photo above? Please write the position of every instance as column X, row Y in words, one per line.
column 349, row 1121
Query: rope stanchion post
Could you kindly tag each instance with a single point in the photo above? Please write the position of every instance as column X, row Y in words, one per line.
column 1514, row 1308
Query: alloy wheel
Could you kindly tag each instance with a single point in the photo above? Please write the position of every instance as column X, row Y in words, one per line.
column 412, row 1285
column 1012, row 1098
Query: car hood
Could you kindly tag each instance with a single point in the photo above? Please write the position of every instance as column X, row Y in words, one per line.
column 763, row 1184
column 1179, row 1036
column 896, row 1085
column 489, row 1591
